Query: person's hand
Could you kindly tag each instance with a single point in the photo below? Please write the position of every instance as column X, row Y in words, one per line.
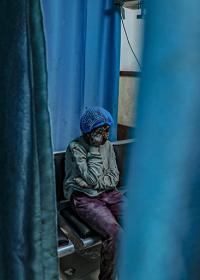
column 96, row 139
column 81, row 182
column 94, row 149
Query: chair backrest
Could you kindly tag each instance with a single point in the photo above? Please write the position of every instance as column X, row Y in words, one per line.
column 121, row 151
column 59, row 161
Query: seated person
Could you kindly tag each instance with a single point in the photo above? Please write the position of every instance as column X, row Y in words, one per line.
column 90, row 183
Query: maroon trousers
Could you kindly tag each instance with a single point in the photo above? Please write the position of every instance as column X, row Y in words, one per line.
column 102, row 214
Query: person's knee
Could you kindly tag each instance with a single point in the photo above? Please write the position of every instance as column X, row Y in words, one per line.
column 113, row 231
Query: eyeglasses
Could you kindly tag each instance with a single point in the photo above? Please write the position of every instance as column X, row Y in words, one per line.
column 102, row 130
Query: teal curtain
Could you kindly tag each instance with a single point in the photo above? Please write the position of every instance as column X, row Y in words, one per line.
column 27, row 191
column 83, row 47
column 162, row 237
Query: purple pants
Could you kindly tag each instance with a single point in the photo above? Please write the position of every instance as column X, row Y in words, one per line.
column 102, row 214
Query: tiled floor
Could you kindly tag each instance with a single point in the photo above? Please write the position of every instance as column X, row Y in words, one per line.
column 92, row 276
column 81, row 266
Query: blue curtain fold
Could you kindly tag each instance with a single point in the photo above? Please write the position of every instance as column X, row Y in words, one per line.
column 162, row 226
column 28, row 245
column 83, row 46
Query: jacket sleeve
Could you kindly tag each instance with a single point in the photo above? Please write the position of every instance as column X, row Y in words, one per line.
column 110, row 178
column 91, row 169
column 89, row 164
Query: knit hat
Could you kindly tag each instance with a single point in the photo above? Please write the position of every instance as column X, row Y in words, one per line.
column 95, row 117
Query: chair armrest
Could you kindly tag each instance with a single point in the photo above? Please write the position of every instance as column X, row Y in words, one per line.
column 70, row 232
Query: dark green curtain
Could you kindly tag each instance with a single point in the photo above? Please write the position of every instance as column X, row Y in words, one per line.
column 27, row 192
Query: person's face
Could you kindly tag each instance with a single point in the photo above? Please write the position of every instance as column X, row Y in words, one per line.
column 99, row 135
column 104, row 131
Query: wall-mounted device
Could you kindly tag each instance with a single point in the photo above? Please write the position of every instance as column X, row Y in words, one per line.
column 133, row 5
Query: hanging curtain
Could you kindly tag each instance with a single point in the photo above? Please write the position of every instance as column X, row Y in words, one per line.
column 27, row 192
column 162, row 237
column 83, row 46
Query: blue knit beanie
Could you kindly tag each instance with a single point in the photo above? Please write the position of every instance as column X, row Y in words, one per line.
column 95, row 117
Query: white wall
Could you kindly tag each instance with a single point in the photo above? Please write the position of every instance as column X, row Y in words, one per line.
column 134, row 28
column 129, row 85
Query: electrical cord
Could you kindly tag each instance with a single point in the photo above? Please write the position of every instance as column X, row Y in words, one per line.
column 129, row 41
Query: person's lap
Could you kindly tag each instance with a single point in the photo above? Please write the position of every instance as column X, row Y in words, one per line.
column 114, row 201
column 101, row 213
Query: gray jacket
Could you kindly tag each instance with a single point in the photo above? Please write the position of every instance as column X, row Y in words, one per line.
column 89, row 169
